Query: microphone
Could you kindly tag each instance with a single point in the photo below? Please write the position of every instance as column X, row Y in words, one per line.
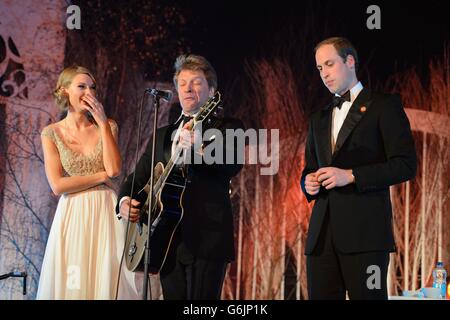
column 163, row 94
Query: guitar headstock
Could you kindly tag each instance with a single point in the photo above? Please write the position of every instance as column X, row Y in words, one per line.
column 209, row 108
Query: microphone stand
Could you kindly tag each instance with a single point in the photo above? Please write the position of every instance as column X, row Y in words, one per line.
column 17, row 275
column 150, row 203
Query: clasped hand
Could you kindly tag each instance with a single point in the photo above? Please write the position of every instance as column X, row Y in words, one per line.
column 328, row 177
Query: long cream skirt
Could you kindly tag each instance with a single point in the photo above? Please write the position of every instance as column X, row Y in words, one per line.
column 84, row 249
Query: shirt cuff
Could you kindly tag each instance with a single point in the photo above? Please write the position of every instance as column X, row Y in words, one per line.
column 118, row 215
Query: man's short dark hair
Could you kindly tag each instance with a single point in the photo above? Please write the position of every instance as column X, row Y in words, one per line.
column 343, row 47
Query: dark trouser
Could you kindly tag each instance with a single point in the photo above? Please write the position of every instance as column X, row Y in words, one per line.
column 185, row 277
column 330, row 273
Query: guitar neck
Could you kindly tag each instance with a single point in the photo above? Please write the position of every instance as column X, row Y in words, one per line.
column 204, row 113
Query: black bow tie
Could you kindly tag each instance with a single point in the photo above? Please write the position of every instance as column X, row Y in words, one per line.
column 186, row 119
column 338, row 101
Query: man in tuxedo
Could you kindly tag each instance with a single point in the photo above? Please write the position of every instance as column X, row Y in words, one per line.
column 357, row 146
column 203, row 243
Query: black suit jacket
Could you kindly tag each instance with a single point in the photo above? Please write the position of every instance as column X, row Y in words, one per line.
column 376, row 142
column 207, row 225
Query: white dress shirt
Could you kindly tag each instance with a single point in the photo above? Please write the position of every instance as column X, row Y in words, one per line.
column 339, row 115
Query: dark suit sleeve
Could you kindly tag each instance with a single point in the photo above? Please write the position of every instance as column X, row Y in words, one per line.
column 228, row 148
column 310, row 162
column 401, row 161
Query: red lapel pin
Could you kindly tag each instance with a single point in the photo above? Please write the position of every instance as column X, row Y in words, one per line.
column 363, row 109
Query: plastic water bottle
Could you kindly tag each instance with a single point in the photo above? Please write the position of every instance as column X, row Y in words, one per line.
column 448, row 291
column 440, row 278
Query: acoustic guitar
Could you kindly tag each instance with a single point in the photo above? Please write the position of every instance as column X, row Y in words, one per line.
column 169, row 184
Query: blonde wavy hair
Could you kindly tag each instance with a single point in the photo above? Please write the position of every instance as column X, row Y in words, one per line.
column 64, row 81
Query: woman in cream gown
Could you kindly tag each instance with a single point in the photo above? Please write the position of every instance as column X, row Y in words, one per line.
column 86, row 240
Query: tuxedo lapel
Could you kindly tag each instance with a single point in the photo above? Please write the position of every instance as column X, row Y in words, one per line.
column 356, row 112
column 167, row 143
column 324, row 135
column 160, row 148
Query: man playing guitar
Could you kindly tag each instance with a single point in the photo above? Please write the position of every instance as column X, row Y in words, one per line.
column 203, row 242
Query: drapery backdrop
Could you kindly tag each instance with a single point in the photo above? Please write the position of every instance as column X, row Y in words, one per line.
column 131, row 46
